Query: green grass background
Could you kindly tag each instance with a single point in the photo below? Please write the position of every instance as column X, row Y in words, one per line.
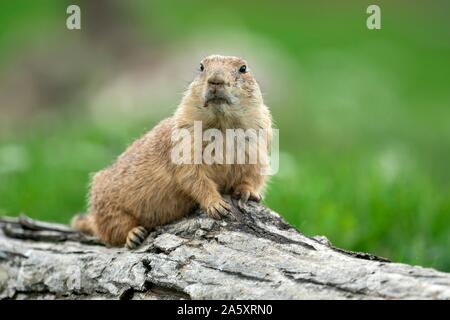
column 364, row 135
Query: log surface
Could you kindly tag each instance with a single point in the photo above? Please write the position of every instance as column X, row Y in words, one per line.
column 255, row 256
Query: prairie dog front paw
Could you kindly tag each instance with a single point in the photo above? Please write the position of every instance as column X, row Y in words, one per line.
column 244, row 194
column 218, row 209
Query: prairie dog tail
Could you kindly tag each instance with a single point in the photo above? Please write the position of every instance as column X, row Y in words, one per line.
column 83, row 223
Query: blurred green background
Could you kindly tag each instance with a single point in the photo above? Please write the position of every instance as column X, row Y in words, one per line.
column 364, row 115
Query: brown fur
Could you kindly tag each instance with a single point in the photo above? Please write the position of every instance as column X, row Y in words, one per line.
column 145, row 188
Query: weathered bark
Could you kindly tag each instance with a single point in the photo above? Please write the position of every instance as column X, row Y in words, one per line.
column 256, row 256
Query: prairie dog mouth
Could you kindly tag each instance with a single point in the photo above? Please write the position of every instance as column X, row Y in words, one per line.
column 216, row 99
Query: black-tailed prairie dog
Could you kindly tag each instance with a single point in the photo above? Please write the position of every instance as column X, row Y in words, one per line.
column 145, row 187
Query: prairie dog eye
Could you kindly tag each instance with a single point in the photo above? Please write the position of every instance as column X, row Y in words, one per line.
column 243, row 69
column 202, row 67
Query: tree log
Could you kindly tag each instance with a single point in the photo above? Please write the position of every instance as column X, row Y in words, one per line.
column 256, row 255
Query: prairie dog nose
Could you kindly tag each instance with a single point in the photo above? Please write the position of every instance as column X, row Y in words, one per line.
column 216, row 80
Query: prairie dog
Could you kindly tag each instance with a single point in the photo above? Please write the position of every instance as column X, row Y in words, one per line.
column 144, row 188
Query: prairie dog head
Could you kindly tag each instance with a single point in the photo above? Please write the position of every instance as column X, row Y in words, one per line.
column 224, row 87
